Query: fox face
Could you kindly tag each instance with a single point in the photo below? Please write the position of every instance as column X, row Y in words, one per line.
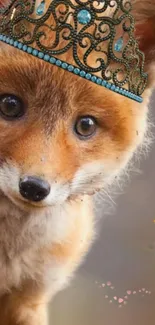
column 61, row 136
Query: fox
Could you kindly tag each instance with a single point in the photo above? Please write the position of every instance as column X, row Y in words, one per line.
column 62, row 139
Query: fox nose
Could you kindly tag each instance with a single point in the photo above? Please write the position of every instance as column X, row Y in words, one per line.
column 33, row 188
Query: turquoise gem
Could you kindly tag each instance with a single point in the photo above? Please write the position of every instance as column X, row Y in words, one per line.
column 46, row 57
column 15, row 43
column 41, row 8
column 64, row 65
column 118, row 45
column 41, row 55
column 82, row 73
column 58, row 63
column 93, row 79
column 70, row 68
column 52, row 60
column 76, row 71
column 104, row 83
column 88, row 76
column 25, row 48
column 20, row 45
column 99, row 81
column 35, row 52
column 84, row 17
column 29, row 50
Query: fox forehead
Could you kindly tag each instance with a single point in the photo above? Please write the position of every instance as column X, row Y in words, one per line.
column 50, row 90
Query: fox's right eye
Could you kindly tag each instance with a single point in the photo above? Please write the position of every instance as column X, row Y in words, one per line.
column 11, row 107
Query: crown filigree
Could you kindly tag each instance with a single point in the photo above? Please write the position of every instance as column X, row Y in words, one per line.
column 90, row 38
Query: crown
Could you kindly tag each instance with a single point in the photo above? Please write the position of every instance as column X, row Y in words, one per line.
column 90, row 38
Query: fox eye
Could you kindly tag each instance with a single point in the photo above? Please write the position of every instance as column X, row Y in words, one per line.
column 11, row 107
column 85, row 126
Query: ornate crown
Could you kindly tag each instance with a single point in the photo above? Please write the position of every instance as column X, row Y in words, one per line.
column 90, row 38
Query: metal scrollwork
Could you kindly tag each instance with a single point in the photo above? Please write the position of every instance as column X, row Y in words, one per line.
column 99, row 33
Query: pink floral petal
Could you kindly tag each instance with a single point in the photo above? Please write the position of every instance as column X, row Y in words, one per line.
column 115, row 298
column 109, row 283
column 134, row 292
column 129, row 292
column 125, row 297
column 120, row 300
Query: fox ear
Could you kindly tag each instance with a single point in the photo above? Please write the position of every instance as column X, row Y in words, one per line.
column 144, row 13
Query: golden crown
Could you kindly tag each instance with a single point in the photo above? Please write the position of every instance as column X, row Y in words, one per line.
column 99, row 35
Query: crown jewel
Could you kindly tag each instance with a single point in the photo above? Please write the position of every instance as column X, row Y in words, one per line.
column 90, row 38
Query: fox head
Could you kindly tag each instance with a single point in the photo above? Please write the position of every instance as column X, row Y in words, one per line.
column 62, row 136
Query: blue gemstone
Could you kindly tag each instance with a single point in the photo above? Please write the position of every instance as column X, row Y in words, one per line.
column 64, row 65
column 99, row 81
column 46, row 57
column 25, row 48
column 41, row 8
column 118, row 45
column 93, row 78
column 20, row 45
column 104, row 83
column 82, row 73
column 58, row 63
column 52, row 60
column 76, row 71
column 108, row 85
column 117, row 89
column 29, row 50
column 84, row 17
column 41, row 55
column 70, row 68
column 15, row 44
column 113, row 87
column 1, row 37
column 88, row 76
column 11, row 42
column 35, row 52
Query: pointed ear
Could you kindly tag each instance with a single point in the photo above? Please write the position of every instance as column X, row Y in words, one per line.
column 144, row 13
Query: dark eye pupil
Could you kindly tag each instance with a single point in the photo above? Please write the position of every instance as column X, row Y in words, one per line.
column 85, row 126
column 11, row 107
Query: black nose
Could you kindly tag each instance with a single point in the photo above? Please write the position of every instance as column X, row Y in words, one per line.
column 33, row 188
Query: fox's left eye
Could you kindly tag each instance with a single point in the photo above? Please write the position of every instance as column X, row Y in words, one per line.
column 11, row 107
column 85, row 126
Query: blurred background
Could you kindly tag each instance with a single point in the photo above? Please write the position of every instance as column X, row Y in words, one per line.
column 116, row 283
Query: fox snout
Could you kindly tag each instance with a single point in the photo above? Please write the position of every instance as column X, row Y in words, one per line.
column 33, row 188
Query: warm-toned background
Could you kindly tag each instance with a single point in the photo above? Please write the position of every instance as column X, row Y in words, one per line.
column 124, row 254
